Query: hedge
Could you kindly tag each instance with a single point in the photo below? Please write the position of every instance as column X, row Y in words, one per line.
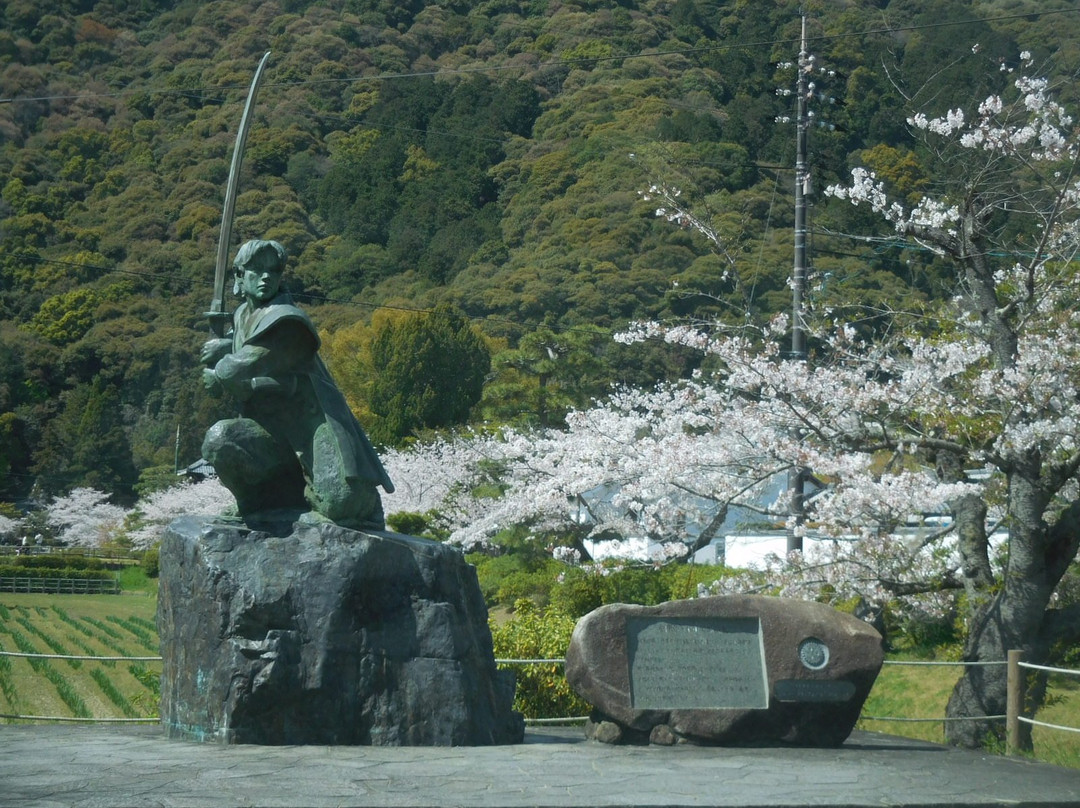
column 58, row 561
column 18, row 571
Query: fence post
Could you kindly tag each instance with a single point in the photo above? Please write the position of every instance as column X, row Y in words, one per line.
column 1014, row 702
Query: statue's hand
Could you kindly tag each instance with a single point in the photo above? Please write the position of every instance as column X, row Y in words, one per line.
column 213, row 350
column 212, row 383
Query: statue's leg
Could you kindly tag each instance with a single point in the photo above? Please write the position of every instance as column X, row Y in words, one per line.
column 346, row 500
column 262, row 474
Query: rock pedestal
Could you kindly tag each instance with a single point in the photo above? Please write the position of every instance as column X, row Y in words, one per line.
column 735, row 670
column 317, row 634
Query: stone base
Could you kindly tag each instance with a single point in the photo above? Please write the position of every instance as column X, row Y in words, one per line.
column 734, row 670
column 317, row 634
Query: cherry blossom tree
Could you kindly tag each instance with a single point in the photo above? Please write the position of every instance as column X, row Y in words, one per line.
column 894, row 425
column 1006, row 214
column 442, row 478
column 152, row 513
column 84, row 518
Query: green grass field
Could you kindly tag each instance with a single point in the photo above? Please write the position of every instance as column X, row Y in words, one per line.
column 123, row 625
column 83, row 625
column 923, row 692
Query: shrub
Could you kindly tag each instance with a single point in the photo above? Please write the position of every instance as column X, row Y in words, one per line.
column 542, row 689
column 59, row 561
column 12, row 571
column 151, row 562
column 582, row 589
column 408, row 522
column 505, row 579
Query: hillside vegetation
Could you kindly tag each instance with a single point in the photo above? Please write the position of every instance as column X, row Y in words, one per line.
column 484, row 155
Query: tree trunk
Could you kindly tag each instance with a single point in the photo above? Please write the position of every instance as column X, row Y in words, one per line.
column 969, row 519
column 1014, row 618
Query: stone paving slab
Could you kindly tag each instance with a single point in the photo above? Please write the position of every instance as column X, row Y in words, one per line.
column 131, row 766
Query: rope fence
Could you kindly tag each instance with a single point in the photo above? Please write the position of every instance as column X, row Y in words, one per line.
column 944, row 663
column 942, row 719
column 73, row 720
column 77, row 656
column 1012, row 717
column 1016, row 692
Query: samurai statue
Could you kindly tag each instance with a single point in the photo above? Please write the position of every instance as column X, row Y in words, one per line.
column 296, row 445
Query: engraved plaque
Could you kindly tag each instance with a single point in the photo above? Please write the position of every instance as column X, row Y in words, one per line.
column 696, row 663
column 814, row 690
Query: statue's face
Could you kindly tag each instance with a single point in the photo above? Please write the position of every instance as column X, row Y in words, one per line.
column 260, row 285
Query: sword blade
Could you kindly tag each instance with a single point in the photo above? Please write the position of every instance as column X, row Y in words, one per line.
column 217, row 314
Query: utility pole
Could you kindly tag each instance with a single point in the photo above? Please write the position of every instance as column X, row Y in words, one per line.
column 805, row 89
column 802, row 178
column 797, row 475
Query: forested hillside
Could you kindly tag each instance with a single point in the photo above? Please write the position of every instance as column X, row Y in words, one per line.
column 492, row 156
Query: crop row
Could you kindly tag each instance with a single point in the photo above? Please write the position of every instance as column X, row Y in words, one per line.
column 34, row 684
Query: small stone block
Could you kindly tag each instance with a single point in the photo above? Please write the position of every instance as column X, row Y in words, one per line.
column 604, row 732
column 662, row 735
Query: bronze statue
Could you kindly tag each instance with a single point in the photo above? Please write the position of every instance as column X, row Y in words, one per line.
column 296, row 444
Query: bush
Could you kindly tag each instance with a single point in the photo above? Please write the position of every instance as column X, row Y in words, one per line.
column 151, row 562
column 407, row 522
column 12, row 571
column 133, row 578
column 580, row 590
column 504, row 579
column 59, row 561
column 542, row 689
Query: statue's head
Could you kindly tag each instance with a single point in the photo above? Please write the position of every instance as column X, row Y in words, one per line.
column 257, row 268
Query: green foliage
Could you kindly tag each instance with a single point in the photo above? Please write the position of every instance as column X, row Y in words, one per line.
column 417, row 524
column 406, row 522
column 921, row 634
column 137, row 577
column 579, row 590
column 7, row 683
column 151, row 680
column 86, row 444
column 542, row 689
column 145, row 638
column 151, row 565
column 66, row 561
column 513, row 198
column 66, row 318
column 156, row 478
column 64, row 689
column 102, row 687
column 54, row 645
column 13, row 571
column 506, row 578
column 429, row 373
column 522, row 571
column 546, row 375
column 112, row 693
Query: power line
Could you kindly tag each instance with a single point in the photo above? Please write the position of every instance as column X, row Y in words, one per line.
column 304, row 296
column 441, row 72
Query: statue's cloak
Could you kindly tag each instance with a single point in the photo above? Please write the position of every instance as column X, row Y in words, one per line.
column 305, row 395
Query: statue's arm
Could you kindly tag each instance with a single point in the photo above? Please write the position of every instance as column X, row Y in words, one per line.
column 269, row 363
column 214, row 350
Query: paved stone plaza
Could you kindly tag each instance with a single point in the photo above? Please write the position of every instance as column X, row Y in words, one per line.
column 47, row 765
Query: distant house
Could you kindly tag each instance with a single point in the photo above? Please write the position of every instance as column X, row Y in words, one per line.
column 742, row 540
column 198, row 471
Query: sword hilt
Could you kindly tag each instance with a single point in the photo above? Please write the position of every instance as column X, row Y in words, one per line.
column 219, row 321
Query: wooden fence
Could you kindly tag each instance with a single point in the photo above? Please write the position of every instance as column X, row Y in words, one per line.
column 61, row 586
